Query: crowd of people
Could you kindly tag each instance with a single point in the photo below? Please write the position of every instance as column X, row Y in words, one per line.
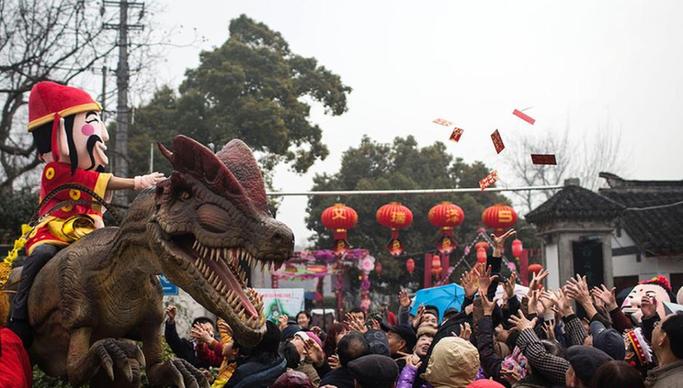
column 573, row 336
column 536, row 340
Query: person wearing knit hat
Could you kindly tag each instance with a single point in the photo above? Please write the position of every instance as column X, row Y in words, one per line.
column 70, row 138
column 454, row 363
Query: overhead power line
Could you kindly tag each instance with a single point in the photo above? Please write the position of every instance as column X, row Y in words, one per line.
column 402, row 192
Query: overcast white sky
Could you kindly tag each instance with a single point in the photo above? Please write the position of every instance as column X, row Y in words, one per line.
column 586, row 63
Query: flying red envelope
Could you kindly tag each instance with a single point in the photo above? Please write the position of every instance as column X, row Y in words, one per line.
column 489, row 180
column 497, row 141
column 455, row 135
column 443, row 122
column 543, row 159
column 524, row 116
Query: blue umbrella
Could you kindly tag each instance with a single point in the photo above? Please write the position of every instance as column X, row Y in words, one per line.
column 443, row 298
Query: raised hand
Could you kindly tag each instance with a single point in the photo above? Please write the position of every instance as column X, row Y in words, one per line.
column 282, row 321
column 537, row 279
column 170, row 313
column 403, row 299
column 333, row 360
column 509, row 285
column 484, row 278
column 414, row 361
column 356, row 324
column 533, row 305
column 521, row 322
column 314, row 352
column 648, row 306
column 469, row 283
column 548, row 300
column 487, row 305
column 608, row 296
column 499, row 242
column 577, row 289
column 201, row 334
column 510, row 375
column 549, row 329
column 564, row 304
column 418, row 317
column 465, row 331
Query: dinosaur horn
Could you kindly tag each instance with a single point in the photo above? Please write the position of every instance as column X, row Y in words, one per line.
column 168, row 154
column 192, row 157
column 239, row 159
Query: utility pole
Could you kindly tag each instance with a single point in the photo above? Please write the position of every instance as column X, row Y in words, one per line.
column 103, row 100
column 120, row 167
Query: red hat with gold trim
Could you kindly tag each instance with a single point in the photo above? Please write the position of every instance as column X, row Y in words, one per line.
column 639, row 345
column 50, row 101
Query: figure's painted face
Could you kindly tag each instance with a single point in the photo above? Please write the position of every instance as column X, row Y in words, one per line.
column 89, row 138
column 631, row 304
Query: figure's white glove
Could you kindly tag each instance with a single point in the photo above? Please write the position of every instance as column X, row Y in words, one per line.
column 149, row 180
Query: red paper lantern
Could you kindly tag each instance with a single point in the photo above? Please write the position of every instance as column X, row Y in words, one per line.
column 339, row 218
column 436, row 265
column 499, row 217
column 534, row 268
column 481, row 248
column 410, row 265
column 517, row 248
column 447, row 217
column 394, row 216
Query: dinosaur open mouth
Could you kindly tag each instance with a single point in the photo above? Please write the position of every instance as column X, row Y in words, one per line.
column 221, row 269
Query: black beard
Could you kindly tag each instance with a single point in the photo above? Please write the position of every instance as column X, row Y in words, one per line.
column 90, row 146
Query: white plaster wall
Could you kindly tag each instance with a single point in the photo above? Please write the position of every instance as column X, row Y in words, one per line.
column 552, row 265
column 628, row 265
column 648, row 267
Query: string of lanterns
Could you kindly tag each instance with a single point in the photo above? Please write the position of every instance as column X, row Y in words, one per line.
column 446, row 216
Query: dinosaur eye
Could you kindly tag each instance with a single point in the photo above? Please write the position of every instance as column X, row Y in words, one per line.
column 184, row 195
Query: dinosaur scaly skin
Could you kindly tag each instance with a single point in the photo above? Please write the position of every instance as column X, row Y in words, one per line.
column 199, row 227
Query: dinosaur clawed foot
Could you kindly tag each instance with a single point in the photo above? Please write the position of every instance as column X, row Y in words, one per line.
column 177, row 372
column 121, row 356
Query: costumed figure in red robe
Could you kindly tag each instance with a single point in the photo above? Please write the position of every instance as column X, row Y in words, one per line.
column 70, row 138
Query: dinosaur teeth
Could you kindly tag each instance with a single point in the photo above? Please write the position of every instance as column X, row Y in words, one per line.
column 195, row 244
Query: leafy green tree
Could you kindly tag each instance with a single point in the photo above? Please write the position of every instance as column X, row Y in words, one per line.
column 254, row 88
column 401, row 165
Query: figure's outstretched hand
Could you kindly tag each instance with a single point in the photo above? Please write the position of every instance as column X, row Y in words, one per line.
column 147, row 181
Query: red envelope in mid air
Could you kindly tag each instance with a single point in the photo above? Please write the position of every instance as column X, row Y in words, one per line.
column 455, row 135
column 443, row 122
column 497, row 141
column 543, row 159
column 524, row 116
column 489, row 180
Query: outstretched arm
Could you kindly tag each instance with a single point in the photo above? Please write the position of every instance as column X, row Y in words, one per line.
column 137, row 183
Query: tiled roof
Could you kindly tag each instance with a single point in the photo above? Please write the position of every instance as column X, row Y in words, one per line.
column 657, row 231
column 575, row 203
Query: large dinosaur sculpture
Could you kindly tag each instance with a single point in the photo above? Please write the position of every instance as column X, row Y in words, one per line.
column 199, row 227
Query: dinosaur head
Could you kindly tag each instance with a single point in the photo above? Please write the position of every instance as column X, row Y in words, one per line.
column 212, row 221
